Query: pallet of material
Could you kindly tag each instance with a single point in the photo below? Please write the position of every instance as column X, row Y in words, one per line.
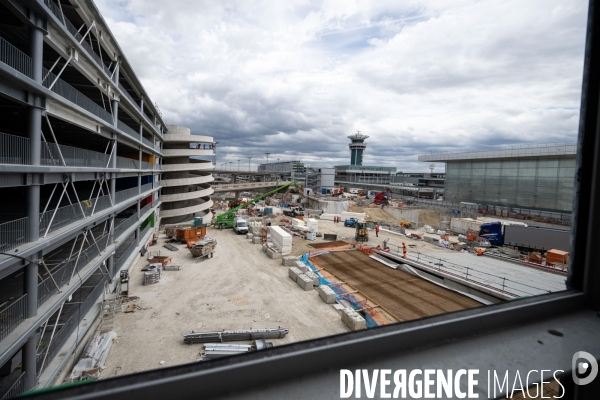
column 281, row 239
column 151, row 277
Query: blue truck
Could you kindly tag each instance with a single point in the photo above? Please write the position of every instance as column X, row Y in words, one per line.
column 526, row 237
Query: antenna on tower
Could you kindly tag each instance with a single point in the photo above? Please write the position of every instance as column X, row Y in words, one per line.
column 431, row 167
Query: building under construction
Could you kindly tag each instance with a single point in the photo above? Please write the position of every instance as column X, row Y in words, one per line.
column 81, row 157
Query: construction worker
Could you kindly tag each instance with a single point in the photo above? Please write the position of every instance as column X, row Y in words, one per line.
column 385, row 244
column 403, row 250
column 376, row 230
column 479, row 251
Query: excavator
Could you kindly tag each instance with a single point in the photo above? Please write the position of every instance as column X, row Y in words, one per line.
column 225, row 220
column 381, row 198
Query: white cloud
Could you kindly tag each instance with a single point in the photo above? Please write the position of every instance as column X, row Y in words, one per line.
column 295, row 78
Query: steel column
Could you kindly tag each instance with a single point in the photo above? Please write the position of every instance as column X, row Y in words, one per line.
column 29, row 361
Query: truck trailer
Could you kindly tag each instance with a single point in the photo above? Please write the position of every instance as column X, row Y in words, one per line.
column 526, row 237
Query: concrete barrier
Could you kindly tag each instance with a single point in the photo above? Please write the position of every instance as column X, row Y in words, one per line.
column 272, row 253
column 256, row 240
column 249, row 236
column 314, row 277
column 301, row 266
column 304, row 282
column 289, row 261
column 293, row 273
column 327, row 294
column 353, row 320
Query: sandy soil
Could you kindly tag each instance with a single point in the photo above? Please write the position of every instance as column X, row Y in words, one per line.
column 240, row 288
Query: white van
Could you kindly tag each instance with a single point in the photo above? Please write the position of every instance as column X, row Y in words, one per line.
column 240, row 225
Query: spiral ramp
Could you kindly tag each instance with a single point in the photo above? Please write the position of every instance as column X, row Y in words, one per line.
column 185, row 195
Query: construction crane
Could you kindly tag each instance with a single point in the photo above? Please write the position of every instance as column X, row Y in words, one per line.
column 225, row 220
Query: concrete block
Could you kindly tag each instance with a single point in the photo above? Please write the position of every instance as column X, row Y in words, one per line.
column 256, row 239
column 249, row 236
column 428, row 239
column 314, row 277
column 304, row 282
column 353, row 320
column 293, row 273
column 289, row 261
column 327, row 294
column 264, row 247
column 301, row 266
column 271, row 253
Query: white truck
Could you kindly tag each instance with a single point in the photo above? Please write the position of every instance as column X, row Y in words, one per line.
column 240, row 225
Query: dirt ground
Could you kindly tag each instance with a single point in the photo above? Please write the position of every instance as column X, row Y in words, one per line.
column 406, row 296
column 240, row 288
column 374, row 214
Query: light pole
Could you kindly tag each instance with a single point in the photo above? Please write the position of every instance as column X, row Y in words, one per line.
column 215, row 148
column 249, row 158
column 267, row 157
column 238, row 165
column 230, row 162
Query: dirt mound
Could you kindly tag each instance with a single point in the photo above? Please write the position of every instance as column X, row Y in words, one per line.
column 430, row 217
column 375, row 214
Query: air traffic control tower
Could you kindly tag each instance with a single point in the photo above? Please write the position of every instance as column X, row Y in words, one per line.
column 357, row 147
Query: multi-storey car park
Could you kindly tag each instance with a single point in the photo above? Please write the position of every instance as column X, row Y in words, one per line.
column 81, row 147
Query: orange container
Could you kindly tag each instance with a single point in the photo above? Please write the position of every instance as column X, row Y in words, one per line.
column 557, row 257
column 190, row 234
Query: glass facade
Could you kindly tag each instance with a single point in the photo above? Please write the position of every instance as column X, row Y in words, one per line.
column 539, row 183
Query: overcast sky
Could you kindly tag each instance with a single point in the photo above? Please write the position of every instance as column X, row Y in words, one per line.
column 294, row 78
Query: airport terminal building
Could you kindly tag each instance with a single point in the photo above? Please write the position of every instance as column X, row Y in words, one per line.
column 539, row 178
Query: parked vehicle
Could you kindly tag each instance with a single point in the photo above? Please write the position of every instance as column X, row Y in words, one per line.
column 525, row 237
column 240, row 226
column 350, row 222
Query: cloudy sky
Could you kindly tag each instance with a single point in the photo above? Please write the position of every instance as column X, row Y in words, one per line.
column 295, row 77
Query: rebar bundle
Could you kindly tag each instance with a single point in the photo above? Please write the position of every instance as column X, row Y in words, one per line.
column 230, row 336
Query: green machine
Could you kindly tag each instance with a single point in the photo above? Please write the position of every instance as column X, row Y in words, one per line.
column 225, row 220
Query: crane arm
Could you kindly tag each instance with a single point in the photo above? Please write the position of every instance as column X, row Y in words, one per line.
column 254, row 200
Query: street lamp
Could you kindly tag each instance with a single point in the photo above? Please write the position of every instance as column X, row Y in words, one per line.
column 230, row 162
column 215, row 148
column 249, row 158
column 267, row 157
column 238, row 165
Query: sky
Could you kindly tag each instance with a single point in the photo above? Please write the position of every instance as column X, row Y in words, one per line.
column 294, row 78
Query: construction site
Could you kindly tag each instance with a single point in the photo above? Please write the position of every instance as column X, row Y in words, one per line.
column 125, row 249
column 288, row 278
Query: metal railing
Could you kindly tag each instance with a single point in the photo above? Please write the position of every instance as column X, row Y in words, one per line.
column 15, row 58
column 17, row 388
column 125, row 255
column 124, row 162
column 73, row 156
column 474, row 275
column 126, row 93
column 70, row 325
column 72, row 213
column 128, row 130
column 13, row 234
column 146, row 165
column 14, row 149
column 67, row 91
column 126, row 194
column 146, row 208
column 62, row 274
column 145, row 231
column 126, row 224
column 148, row 142
column 157, row 147
column 146, row 187
column 12, row 316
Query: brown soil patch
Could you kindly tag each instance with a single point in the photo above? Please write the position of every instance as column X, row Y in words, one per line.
column 375, row 214
column 329, row 245
column 407, row 296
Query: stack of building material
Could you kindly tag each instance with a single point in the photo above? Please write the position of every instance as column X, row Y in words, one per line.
column 281, row 240
column 311, row 236
column 249, row 236
column 289, row 261
column 93, row 358
column 327, row 294
column 353, row 320
column 256, row 239
column 151, row 277
column 312, row 224
column 555, row 256
column 304, row 282
column 273, row 252
column 293, row 273
column 230, row 336
column 297, row 222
